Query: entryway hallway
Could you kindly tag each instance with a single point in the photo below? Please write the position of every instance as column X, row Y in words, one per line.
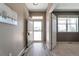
column 62, row 49
column 37, row 49
column 42, row 29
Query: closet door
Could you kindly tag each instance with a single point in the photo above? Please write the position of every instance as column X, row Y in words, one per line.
column 30, row 32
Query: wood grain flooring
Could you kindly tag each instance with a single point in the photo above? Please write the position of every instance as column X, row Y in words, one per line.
column 66, row 49
column 37, row 49
column 61, row 49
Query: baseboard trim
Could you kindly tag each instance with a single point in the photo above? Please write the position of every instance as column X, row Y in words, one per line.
column 67, row 42
column 29, row 47
column 22, row 52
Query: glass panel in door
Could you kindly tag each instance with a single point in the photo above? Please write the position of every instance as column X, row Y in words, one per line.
column 37, row 30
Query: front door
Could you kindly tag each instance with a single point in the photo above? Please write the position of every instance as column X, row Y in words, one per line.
column 37, row 30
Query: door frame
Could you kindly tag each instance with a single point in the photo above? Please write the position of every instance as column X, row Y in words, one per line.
column 41, row 30
column 50, row 31
column 25, row 33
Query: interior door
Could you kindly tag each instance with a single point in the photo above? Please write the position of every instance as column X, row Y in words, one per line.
column 54, row 31
column 30, row 32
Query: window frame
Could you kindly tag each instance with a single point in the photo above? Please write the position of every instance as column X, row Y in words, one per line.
column 67, row 24
column 37, row 17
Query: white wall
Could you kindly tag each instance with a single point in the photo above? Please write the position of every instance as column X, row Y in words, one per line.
column 49, row 32
column 54, row 31
column 67, row 7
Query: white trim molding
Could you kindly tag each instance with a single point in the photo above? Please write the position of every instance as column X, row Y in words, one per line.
column 22, row 51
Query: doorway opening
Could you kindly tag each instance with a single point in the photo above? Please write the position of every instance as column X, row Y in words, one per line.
column 37, row 30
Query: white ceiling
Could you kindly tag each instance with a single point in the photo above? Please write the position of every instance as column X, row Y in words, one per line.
column 37, row 8
column 67, row 7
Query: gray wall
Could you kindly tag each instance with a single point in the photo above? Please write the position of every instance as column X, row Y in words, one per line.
column 68, row 37
column 12, row 37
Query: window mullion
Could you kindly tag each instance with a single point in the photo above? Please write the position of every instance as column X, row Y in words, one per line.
column 66, row 25
column 78, row 24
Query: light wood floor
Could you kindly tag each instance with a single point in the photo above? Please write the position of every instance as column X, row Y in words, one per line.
column 61, row 49
column 37, row 49
column 66, row 49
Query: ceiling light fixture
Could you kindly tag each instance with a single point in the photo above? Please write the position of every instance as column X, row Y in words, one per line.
column 35, row 3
